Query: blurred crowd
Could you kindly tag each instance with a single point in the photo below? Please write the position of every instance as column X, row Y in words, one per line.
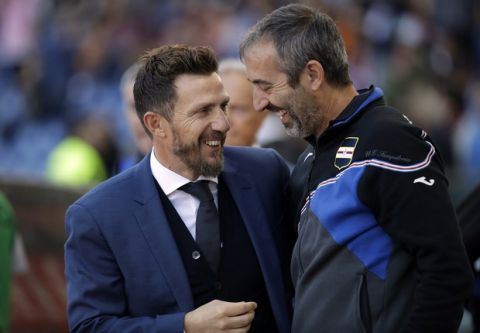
column 61, row 63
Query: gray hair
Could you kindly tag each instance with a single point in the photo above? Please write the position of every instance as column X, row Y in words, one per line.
column 300, row 34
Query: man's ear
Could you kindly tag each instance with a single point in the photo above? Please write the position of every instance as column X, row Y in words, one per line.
column 155, row 123
column 313, row 75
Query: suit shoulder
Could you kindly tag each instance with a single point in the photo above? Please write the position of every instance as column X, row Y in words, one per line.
column 254, row 157
column 250, row 152
column 111, row 187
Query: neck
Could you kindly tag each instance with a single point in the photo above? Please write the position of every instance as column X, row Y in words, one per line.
column 173, row 164
column 333, row 101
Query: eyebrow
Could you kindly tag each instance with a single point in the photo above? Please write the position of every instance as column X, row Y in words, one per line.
column 259, row 81
column 211, row 105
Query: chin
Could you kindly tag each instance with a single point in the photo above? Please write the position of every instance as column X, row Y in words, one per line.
column 212, row 170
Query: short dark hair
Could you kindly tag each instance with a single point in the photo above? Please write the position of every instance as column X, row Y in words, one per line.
column 154, row 88
column 300, row 34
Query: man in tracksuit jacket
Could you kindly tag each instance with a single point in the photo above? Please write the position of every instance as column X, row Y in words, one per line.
column 378, row 248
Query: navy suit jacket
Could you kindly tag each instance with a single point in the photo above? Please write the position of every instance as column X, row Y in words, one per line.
column 124, row 271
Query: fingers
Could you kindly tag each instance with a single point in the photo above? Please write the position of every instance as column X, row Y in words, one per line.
column 241, row 321
column 239, row 308
column 221, row 316
column 237, row 317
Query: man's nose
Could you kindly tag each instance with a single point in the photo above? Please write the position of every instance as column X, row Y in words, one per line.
column 260, row 100
column 221, row 123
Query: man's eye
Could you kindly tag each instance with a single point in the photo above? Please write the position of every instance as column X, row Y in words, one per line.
column 266, row 88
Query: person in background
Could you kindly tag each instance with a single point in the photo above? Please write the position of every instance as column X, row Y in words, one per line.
column 142, row 142
column 7, row 238
column 86, row 157
column 191, row 238
column 248, row 127
column 379, row 247
column 244, row 120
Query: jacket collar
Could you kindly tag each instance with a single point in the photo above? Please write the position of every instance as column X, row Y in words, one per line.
column 364, row 98
column 152, row 220
column 253, row 213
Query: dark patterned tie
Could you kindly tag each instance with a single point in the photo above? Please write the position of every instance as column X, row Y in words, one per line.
column 207, row 224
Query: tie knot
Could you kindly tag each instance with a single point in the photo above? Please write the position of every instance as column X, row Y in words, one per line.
column 198, row 189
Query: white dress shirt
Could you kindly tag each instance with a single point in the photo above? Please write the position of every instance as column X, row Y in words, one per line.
column 185, row 204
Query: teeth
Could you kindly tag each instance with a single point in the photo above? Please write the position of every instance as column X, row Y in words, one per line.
column 212, row 143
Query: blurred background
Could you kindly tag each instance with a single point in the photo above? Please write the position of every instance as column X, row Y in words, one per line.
column 61, row 63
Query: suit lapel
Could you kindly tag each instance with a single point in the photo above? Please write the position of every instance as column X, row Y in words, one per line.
column 248, row 203
column 254, row 216
column 153, row 222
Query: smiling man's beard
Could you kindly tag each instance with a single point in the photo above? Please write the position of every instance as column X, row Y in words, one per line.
column 296, row 129
column 303, row 113
column 190, row 154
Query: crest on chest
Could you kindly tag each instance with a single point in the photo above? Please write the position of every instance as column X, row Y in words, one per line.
column 344, row 155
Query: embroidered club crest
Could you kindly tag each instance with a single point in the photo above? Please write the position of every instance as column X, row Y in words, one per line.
column 344, row 155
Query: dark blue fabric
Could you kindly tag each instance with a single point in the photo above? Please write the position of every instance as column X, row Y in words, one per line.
column 350, row 223
column 377, row 93
column 124, row 271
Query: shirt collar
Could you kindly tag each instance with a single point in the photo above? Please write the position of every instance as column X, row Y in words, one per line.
column 169, row 180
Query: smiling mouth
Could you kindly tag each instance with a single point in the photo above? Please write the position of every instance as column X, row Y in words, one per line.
column 213, row 143
column 283, row 115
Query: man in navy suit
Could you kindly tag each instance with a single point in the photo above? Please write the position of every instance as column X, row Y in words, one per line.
column 132, row 259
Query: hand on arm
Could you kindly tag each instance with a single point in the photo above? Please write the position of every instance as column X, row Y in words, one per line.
column 220, row 316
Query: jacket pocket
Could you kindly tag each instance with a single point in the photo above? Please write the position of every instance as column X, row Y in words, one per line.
column 363, row 305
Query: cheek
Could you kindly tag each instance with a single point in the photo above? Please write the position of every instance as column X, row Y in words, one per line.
column 190, row 130
column 200, row 131
column 280, row 100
